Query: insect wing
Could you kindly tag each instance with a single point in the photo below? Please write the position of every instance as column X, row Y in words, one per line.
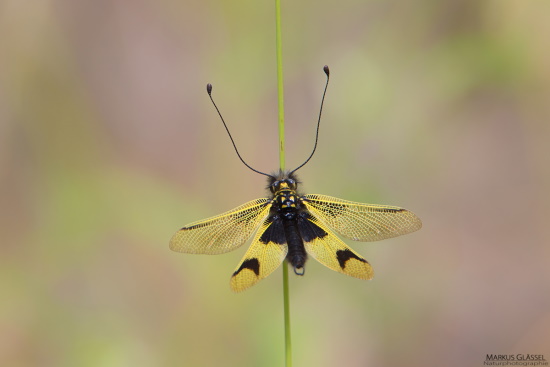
column 222, row 233
column 361, row 222
column 262, row 258
column 332, row 252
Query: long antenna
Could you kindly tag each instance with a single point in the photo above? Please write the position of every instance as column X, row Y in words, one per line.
column 209, row 90
column 327, row 72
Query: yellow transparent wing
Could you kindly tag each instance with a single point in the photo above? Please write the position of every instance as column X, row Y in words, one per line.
column 222, row 233
column 260, row 260
column 362, row 222
column 332, row 252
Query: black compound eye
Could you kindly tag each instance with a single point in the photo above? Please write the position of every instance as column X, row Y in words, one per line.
column 291, row 183
column 275, row 186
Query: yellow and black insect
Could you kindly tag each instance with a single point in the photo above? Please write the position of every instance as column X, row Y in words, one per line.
column 292, row 226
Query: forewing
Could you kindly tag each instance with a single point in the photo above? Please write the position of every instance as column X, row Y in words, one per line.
column 329, row 250
column 361, row 222
column 222, row 233
column 264, row 255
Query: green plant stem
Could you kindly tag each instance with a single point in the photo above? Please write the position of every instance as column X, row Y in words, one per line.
column 288, row 343
column 280, row 100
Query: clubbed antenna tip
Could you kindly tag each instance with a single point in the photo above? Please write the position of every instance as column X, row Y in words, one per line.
column 209, row 90
column 327, row 72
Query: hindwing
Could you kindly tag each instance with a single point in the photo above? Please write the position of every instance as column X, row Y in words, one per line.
column 323, row 245
column 265, row 254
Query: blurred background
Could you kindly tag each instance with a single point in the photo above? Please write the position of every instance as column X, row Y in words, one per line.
column 109, row 144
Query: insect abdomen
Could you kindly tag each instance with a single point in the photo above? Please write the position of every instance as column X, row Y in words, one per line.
column 296, row 255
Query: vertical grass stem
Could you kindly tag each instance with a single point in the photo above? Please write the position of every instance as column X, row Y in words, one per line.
column 280, row 100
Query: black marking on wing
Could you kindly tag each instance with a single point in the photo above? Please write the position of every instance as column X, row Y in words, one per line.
column 200, row 225
column 275, row 232
column 252, row 264
column 344, row 255
column 308, row 229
